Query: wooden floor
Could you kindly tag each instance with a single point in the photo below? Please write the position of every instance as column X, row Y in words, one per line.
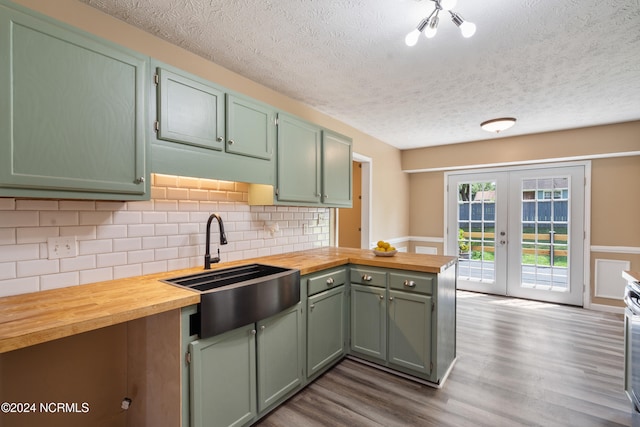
column 520, row 363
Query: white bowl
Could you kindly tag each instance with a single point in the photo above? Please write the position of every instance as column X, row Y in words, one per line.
column 380, row 253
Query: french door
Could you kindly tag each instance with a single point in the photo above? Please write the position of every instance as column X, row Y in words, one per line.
column 519, row 232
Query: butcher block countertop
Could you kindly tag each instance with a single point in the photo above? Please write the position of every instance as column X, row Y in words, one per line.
column 34, row 318
column 631, row 276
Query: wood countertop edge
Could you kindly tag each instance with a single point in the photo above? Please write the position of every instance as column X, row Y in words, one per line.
column 34, row 336
column 631, row 276
column 34, row 320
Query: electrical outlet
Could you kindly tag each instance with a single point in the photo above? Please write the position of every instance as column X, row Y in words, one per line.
column 62, row 247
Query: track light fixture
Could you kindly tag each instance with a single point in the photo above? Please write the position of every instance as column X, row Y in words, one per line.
column 429, row 25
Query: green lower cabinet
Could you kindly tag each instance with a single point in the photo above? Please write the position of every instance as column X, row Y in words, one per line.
column 369, row 321
column 325, row 329
column 279, row 357
column 223, row 379
column 410, row 331
column 237, row 376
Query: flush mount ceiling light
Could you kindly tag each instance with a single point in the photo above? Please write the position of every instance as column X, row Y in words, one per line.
column 429, row 25
column 498, row 125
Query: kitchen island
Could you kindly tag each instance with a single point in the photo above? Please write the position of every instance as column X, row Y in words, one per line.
column 138, row 320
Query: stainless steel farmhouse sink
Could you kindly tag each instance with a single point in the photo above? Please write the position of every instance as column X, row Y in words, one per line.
column 236, row 296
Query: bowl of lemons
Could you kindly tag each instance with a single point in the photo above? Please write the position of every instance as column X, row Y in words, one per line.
column 384, row 249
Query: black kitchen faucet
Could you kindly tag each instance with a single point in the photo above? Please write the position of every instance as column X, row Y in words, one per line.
column 223, row 241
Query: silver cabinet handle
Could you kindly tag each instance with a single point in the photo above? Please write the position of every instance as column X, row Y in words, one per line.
column 410, row 283
column 140, row 180
column 219, row 139
column 263, row 327
column 381, row 297
column 231, row 142
column 390, row 298
column 312, row 306
column 330, row 281
column 253, row 332
column 367, row 278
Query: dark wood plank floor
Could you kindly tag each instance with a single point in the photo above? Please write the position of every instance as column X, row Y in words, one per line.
column 520, row 363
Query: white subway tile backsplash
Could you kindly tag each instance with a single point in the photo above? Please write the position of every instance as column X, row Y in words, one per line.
column 7, row 270
column 58, row 218
column 154, row 242
column 96, row 218
column 140, row 230
column 88, row 247
column 60, row 280
column 105, row 205
column 111, row 231
column 36, row 234
column 166, row 253
column 36, row 205
column 111, row 259
column 7, row 204
column 84, row 262
column 142, row 256
column 77, row 205
column 127, row 217
column 128, row 244
column 154, row 267
column 37, row 267
column 129, row 270
column 81, row 232
column 7, row 236
column 19, row 219
column 19, row 252
column 126, row 239
column 166, row 229
column 97, row 275
column 19, row 286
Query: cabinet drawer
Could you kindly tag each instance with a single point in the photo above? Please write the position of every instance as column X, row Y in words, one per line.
column 368, row 277
column 420, row 283
column 326, row 281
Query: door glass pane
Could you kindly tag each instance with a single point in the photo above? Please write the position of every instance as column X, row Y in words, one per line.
column 544, row 234
column 476, row 231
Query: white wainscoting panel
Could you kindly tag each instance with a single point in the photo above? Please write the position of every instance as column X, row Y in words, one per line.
column 609, row 282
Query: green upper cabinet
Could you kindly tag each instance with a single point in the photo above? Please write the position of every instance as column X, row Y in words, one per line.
column 314, row 167
column 250, row 127
column 190, row 111
column 72, row 112
column 299, row 160
column 205, row 131
column 336, row 169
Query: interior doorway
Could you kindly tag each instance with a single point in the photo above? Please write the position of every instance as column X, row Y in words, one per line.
column 350, row 219
column 351, row 224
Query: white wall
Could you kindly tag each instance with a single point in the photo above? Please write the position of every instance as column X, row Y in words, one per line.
column 126, row 239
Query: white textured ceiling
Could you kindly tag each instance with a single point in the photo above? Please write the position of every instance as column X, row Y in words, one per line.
column 552, row 64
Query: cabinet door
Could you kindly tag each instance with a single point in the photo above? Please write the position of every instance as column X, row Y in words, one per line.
column 190, row 111
column 369, row 321
column 410, row 331
column 250, row 128
column 72, row 111
column 279, row 356
column 325, row 328
column 223, row 379
column 299, row 160
column 336, row 169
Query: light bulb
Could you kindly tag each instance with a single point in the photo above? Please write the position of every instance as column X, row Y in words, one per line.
column 412, row 37
column 432, row 28
column 448, row 4
column 468, row 29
